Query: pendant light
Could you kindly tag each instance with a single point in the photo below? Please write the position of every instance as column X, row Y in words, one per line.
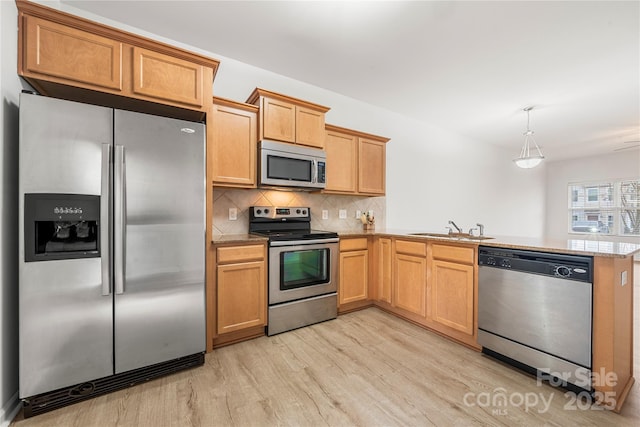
column 526, row 159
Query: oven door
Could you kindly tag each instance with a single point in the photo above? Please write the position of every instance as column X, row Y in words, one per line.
column 302, row 269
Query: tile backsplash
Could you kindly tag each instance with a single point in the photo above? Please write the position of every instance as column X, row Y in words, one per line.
column 224, row 199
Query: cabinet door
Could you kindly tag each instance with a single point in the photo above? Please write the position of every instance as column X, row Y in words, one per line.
column 309, row 127
column 241, row 296
column 278, row 120
column 342, row 162
column 371, row 166
column 384, row 270
column 452, row 295
column 410, row 283
column 353, row 276
column 71, row 56
column 234, row 146
column 166, row 78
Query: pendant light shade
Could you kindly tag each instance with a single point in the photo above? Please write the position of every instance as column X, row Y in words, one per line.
column 527, row 160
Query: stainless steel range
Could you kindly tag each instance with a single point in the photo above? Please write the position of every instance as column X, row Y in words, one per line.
column 303, row 279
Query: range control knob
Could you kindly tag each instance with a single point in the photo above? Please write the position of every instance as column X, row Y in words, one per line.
column 506, row 263
column 491, row 261
column 298, row 211
column 266, row 211
column 562, row 271
column 304, row 212
column 258, row 211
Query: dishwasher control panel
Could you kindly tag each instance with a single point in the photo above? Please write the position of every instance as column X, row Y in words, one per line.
column 572, row 267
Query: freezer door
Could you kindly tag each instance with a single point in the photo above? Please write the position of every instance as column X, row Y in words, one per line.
column 159, row 243
column 65, row 321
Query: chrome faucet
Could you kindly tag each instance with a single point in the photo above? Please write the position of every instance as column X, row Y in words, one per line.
column 456, row 227
column 481, row 226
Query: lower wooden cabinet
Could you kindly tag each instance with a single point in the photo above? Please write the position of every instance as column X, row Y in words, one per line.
column 452, row 295
column 410, row 276
column 453, row 298
column 383, row 275
column 354, row 272
column 240, row 293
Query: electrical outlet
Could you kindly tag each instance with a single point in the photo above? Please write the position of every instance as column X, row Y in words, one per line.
column 371, row 214
column 358, row 214
column 623, row 278
column 325, row 214
column 342, row 214
column 233, row 214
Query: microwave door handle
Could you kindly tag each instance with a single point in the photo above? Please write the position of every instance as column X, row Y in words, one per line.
column 105, row 229
column 314, row 171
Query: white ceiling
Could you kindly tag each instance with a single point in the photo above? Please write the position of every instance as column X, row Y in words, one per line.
column 470, row 67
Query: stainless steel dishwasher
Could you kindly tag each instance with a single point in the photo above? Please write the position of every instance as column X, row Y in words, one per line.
column 535, row 312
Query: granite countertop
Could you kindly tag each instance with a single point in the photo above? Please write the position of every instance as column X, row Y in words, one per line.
column 237, row 238
column 590, row 247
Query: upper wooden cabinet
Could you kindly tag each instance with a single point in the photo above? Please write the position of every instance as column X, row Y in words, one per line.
column 62, row 55
column 355, row 162
column 342, row 161
column 287, row 119
column 233, row 148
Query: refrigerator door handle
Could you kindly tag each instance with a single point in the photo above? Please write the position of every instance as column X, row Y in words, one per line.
column 105, row 235
column 119, row 218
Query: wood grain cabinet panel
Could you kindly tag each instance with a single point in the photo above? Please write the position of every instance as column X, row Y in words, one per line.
column 355, row 162
column 288, row 119
column 371, row 166
column 233, row 148
column 410, row 283
column 309, row 127
column 66, row 56
column 342, row 162
column 354, row 281
column 452, row 294
column 384, row 276
column 241, row 296
column 166, row 78
column 236, row 293
column 278, row 120
column 71, row 55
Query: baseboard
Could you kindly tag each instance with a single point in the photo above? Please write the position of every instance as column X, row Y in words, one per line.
column 10, row 410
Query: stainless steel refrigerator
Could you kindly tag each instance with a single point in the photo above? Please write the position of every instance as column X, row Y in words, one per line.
column 111, row 253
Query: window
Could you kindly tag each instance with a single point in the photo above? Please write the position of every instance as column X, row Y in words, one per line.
column 605, row 208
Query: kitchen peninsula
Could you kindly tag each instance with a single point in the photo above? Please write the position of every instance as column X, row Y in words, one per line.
column 433, row 282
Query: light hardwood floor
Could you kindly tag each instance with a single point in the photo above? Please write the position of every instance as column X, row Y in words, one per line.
column 366, row 368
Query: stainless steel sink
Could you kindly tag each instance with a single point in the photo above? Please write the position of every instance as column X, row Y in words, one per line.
column 452, row 236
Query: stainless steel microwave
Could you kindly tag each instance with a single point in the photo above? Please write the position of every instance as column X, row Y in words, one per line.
column 288, row 165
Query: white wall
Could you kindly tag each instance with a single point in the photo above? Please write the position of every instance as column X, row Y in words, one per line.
column 614, row 166
column 9, row 89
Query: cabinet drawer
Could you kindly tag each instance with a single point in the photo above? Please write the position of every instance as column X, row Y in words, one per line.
column 453, row 253
column 230, row 254
column 411, row 248
column 353, row 244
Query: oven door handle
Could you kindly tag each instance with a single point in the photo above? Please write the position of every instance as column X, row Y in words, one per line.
column 279, row 243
